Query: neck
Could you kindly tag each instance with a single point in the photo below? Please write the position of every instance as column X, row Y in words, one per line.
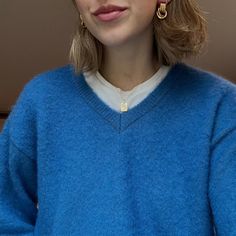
column 132, row 63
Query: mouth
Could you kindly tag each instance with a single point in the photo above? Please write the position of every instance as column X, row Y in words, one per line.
column 109, row 12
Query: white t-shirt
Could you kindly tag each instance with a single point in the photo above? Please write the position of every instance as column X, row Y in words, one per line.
column 118, row 99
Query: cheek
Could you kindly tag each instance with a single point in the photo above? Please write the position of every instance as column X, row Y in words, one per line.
column 147, row 8
column 81, row 5
column 144, row 12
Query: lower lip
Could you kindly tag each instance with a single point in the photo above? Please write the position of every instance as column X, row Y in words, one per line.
column 106, row 17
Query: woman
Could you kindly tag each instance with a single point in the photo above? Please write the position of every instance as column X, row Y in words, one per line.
column 125, row 140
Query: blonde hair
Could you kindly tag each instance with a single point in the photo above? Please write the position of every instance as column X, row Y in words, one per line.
column 181, row 35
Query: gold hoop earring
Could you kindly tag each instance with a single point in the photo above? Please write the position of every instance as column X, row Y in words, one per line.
column 161, row 11
column 82, row 22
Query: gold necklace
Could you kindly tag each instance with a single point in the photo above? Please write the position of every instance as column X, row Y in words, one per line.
column 124, row 106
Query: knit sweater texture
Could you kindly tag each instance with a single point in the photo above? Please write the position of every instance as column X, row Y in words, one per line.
column 72, row 166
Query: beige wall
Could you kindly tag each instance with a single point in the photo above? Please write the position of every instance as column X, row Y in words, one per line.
column 220, row 56
column 36, row 35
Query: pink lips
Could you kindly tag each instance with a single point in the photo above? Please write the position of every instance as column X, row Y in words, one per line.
column 109, row 13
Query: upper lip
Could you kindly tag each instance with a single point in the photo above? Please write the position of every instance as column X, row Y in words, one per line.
column 107, row 9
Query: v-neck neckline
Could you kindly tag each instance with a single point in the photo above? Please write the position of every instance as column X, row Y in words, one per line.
column 122, row 120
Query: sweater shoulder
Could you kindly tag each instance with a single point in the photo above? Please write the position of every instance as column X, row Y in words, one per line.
column 216, row 93
column 22, row 123
column 55, row 73
column 50, row 83
column 205, row 80
column 199, row 86
column 51, row 77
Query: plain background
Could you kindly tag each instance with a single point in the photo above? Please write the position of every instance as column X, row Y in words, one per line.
column 36, row 35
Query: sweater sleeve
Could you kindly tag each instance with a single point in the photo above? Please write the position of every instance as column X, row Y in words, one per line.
column 18, row 170
column 222, row 177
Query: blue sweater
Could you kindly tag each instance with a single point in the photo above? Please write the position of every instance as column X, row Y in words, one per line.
column 167, row 167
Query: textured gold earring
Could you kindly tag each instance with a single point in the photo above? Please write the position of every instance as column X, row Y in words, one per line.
column 161, row 11
column 82, row 22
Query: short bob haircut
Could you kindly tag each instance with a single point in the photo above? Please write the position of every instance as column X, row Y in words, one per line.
column 181, row 35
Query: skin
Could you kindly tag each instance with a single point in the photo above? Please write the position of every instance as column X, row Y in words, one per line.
column 129, row 58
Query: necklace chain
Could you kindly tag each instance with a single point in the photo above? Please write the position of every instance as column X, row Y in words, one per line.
column 124, row 104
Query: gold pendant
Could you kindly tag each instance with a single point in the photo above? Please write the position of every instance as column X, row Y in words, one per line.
column 124, row 106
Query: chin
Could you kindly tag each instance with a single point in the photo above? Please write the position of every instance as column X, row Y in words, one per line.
column 113, row 40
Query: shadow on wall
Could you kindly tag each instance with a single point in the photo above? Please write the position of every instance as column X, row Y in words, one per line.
column 3, row 117
column 1, row 124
